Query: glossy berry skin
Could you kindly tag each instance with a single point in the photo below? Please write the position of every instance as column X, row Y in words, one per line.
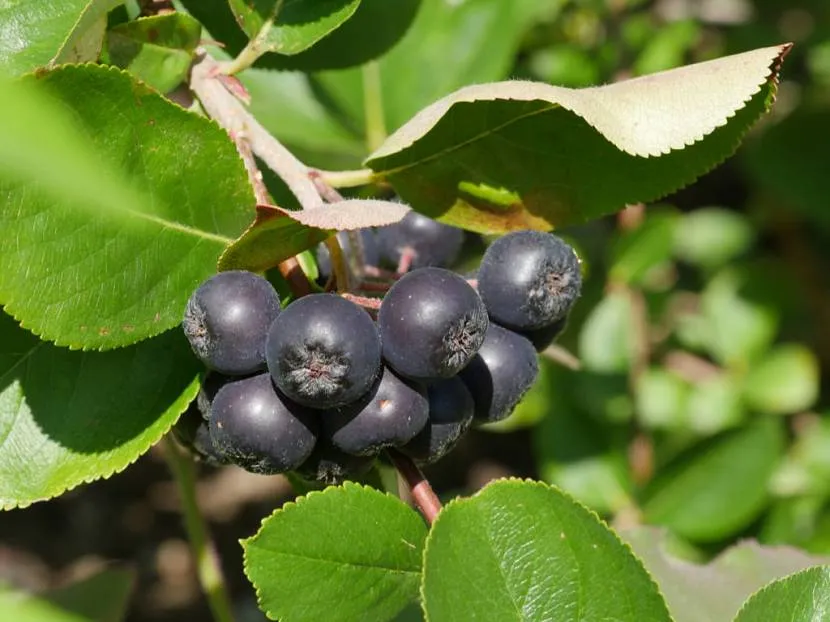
column 431, row 323
column 500, row 374
column 330, row 466
column 192, row 432
column 431, row 242
column 257, row 428
column 451, row 410
column 529, row 279
column 211, row 383
column 371, row 252
column 323, row 351
column 393, row 412
column 227, row 318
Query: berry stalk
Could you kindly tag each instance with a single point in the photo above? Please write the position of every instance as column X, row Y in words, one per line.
column 207, row 562
column 422, row 493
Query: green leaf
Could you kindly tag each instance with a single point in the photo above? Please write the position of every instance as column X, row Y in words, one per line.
column 22, row 607
column 606, row 338
column 715, row 404
column 455, row 44
column 157, row 50
column 712, row 236
column 109, row 271
column 713, row 592
column 69, row 417
column 278, row 234
column 290, row 27
column 36, row 33
column 719, row 486
column 365, row 565
column 652, row 135
column 644, row 248
column 661, row 399
column 801, row 597
column 786, row 381
column 739, row 329
column 525, row 551
column 103, row 597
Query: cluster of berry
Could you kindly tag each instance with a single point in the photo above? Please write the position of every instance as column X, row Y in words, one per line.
column 321, row 388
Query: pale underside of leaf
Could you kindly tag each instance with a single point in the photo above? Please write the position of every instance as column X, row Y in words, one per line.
column 646, row 116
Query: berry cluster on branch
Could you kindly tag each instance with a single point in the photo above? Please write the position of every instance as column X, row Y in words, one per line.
column 322, row 386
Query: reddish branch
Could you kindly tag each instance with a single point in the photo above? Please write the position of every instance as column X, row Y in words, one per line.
column 422, row 493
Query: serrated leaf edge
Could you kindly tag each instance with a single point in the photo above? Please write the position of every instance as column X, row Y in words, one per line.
column 780, row 581
column 510, row 482
column 193, row 388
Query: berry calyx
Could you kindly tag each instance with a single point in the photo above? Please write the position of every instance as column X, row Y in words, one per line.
column 323, row 351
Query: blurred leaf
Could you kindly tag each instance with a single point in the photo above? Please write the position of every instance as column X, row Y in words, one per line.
column 806, row 468
column 785, row 381
column 521, row 550
column 787, row 163
column 565, row 65
column 661, row 399
column 108, row 271
column 22, row 607
column 715, row 405
column 306, row 566
column 103, row 597
column 285, row 104
column 653, row 135
column 712, row 236
column 667, row 47
column 798, row 521
column 36, row 33
column 278, row 234
column 70, row 417
column 739, row 330
column 296, row 26
column 606, row 337
column 157, row 50
column 647, row 246
column 720, row 486
column 574, row 452
column 713, row 592
column 455, row 44
column 801, row 597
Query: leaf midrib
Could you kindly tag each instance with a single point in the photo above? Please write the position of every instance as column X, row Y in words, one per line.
column 398, row 571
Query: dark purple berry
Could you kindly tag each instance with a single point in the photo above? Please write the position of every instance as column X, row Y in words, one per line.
column 371, row 254
column 431, row 243
column 541, row 338
column 451, row 410
column 323, row 351
column 226, row 321
column 431, row 324
column 328, row 465
column 191, row 431
column 500, row 374
column 393, row 412
column 212, row 382
column 529, row 279
column 257, row 428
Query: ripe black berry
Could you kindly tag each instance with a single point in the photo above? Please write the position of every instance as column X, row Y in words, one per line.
column 431, row 324
column 330, row 466
column 226, row 321
column 529, row 279
column 450, row 415
column 371, row 253
column 323, row 351
column 500, row 374
column 393, row 412
column 257, row 428
column 212, row 382
column 431, row 243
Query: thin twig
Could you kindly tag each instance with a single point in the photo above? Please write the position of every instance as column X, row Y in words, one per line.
column 373, row 106
column 422, row 493
column 208, row 568
column 221, row 105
